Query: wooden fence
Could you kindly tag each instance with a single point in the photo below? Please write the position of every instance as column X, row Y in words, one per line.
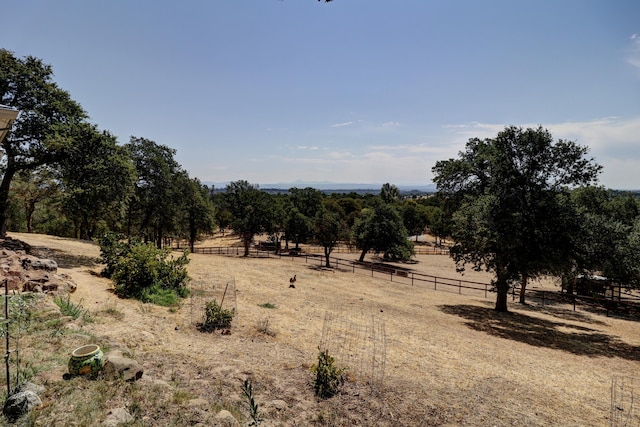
column 626, row 305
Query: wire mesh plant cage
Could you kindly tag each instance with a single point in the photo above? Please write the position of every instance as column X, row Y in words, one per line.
column 625, row 402
column 213, row 295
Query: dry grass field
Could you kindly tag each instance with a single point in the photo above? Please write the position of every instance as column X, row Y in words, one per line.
column 450, row 360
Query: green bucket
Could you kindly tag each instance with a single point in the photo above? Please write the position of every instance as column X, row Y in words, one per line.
column 86, row 360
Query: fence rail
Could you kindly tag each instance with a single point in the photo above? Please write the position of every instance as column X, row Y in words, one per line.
column 627, row 305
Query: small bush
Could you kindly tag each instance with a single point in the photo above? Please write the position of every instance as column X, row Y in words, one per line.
column 329, row 378
column 216, row 317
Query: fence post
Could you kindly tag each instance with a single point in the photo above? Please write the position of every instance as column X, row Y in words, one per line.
column 460, row 287
column 485, row 290
column 435, row 283
column 412, row 279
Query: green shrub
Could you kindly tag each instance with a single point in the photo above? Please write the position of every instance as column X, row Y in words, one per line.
column 329, row 378
column 112, row 248
column 216, row 317
column 144, row 272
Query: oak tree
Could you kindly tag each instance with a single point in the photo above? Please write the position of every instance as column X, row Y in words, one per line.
column 512, row 216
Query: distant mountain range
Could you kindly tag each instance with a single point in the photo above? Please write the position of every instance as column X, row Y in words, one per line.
column 333, row 186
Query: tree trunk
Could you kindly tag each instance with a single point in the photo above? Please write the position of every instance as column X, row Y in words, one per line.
column 193, row 234
column 30, row 210
column 327, row 252
column 502, row 292
column 364, row 252
column 523, row 288
column 246, row 241
column 4, row 196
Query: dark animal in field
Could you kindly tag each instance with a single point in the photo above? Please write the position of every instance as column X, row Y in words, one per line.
column 292, row 281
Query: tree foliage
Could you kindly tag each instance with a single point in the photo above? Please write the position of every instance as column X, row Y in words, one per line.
column 381, row 230
column 98, row 177
column 512, row 217
column 608, row 242
column 197, row 214
column 251, row 210
column 32, row 187
column 329, row 229
column 44, row 130
column 389, row 193
column 156, row 205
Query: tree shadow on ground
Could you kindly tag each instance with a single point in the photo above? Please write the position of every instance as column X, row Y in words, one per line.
column 579, row 340
column 63, row 259
column 561, row 313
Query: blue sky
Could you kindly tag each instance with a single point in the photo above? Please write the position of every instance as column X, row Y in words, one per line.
column 360, row 91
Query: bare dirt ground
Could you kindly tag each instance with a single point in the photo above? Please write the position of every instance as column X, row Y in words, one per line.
column 450, row 359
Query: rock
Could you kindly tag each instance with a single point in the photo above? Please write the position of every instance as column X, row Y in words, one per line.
column 37, row 389
column 30, row 262
column 226, row 419
column 68, row 285
column 21, row 403
column 117, row 416
column 28, row 273
column 117, row 366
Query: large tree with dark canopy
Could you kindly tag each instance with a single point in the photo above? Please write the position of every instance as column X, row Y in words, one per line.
column 155, row 207
column 513, row 217
column 98, row 181
column 380, row 229
column 43, row 131
column 251, row 209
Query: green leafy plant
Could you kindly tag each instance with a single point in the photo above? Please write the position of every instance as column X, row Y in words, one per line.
column 329, row 378
column 72, row 309
column 216, row 317
column 247, row 390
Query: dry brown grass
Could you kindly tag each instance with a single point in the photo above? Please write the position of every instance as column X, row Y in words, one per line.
column 450, row 360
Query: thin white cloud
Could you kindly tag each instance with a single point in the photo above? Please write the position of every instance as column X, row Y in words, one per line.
column 634, row 54
column 409, row 148
column 338, row 125
column 390, row 124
